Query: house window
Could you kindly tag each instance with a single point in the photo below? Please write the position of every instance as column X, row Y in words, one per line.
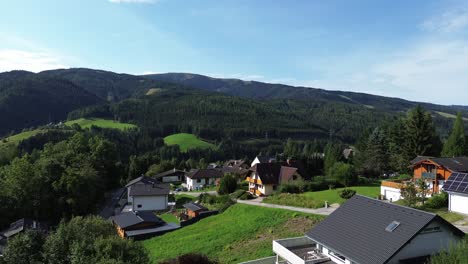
column 337, row 256
column 294, row 177
column 198, row 180
column 431, row 230
column 275, row 187
column 139, row 206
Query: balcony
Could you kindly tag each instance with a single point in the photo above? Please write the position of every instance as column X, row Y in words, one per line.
column 429, row 175
column 397, row 184
column 299, row 250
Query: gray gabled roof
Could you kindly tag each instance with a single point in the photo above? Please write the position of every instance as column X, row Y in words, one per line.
column 129, row 219
column 150, row 189
column 172, row 172
column 195, row 207
column 143, row 179
column 357, row 229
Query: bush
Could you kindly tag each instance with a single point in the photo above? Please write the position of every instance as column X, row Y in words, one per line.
column 246, row 196
column 289, row 188
column 190, row 258
column 244, row 186
column 235, row 195
column 346, row 193
column 227, row 185
column 437, row 201
column 343, row 173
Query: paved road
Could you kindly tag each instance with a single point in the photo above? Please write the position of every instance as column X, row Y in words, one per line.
column 110, row 205
column 463, row 228
column 319, row 211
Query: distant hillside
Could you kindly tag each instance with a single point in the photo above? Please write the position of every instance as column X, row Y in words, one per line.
column 107, row 85
column 208, row 107
column 265, row 91
column 28, row 100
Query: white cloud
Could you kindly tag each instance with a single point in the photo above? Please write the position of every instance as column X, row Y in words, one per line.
column 13, row 59
column 449, row 21
column 133, row 1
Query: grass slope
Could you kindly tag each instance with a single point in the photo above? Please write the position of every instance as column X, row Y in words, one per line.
column 331, row 196
column 99, row 122
column 15, row 139
column 187, row 141
column 241, row 233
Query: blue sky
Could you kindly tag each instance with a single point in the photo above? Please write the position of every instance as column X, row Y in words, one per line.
column 416, row 50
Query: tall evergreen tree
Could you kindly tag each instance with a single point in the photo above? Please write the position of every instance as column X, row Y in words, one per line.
column 420, row 134
column 456, row 142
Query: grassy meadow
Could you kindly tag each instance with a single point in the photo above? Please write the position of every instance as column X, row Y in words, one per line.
column 239, row 234
column 187, row 141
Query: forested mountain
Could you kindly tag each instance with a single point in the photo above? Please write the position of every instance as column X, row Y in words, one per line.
column 261, row 90
column 28, row 100
column 107, row 85
column 212, row 108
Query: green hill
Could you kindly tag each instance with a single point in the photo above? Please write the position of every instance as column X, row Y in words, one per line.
column 99, row 122
column 29, row 100
column 241, row 233
column 187, row 141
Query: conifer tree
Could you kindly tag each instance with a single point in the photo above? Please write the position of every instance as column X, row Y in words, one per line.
column 456, row 142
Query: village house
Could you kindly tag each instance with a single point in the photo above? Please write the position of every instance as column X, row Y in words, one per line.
column 368, row 231
column 141, row 225
column 262, row 159
column 457, row 188
column 435, row 171
column 145, row 193
column 171, row 176
column 239, row 168
column 194, row 209
column 265, row 178
column 18, row 227
column 200, row 178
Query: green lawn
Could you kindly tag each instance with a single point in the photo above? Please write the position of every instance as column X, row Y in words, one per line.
column 331, row 196
column 99, row 122
column 169, row 218
column 187, row 141
column 239, row 234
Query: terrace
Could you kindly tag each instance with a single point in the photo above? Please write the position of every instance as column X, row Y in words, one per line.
column 298, row 250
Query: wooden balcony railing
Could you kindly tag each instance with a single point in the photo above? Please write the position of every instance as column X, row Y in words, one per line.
column 393, row 184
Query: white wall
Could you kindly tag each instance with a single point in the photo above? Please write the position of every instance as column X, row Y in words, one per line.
column 393, row 194
column 458, row 203
column 192, row 184
column 170, row 179
column 266, row 189
column 152, row 203
column 427, row 243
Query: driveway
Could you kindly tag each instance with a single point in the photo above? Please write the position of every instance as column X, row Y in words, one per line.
column 111, row 203
column 195, row 194
column 319, row 211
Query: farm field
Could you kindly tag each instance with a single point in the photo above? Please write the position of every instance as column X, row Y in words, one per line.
column 239, row 234
column 99, row 122
column 187, row 141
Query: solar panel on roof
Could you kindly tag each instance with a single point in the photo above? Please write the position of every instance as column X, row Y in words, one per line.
column 457, row 182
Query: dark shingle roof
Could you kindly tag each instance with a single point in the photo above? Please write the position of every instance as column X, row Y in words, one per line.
column 265, row 159
column 204, row 173
column 150, row 189
column 129, row 219
column 195, row 207
column 169, row 173
column 143, row 179
column 357, row 229
column 459, row 164
column 274, row 173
